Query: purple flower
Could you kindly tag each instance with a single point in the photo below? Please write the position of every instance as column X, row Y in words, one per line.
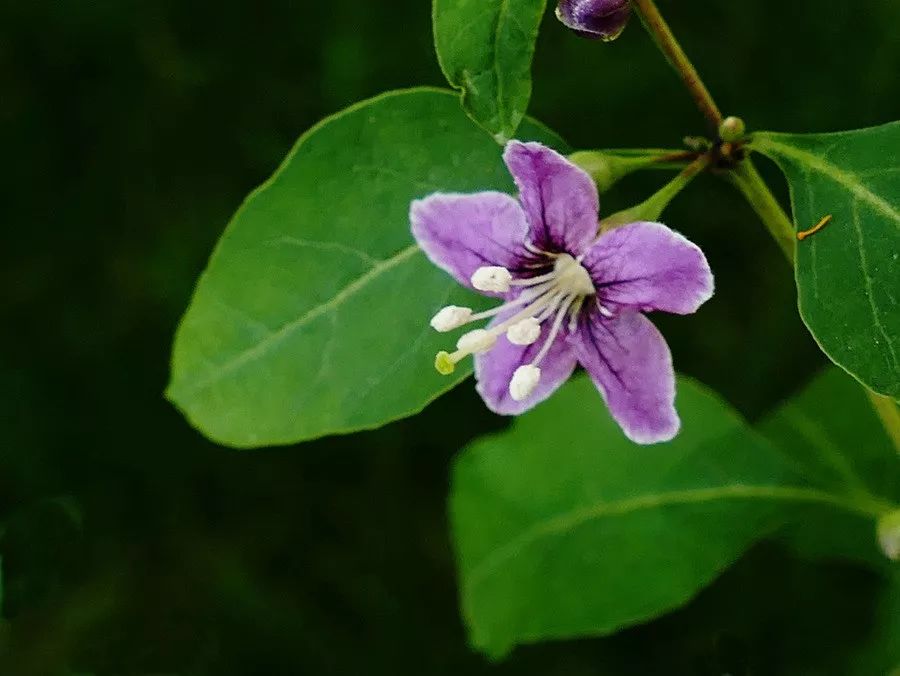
column 603, row 19
column 570, row 296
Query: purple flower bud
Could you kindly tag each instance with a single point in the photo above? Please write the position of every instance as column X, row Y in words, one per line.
column 595, row 19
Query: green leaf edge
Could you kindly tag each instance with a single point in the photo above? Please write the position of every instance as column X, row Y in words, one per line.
column 171, row 393
column 800, row 494
column 764, row 141
column 500, row 135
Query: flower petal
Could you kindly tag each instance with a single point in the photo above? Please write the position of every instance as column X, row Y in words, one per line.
column 647, row 266
column 630, row 363
column 461, row 233
column 559, row 197
column 494, row 371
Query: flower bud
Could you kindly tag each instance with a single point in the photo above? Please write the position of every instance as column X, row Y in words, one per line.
column 889, row 535
column 595, row 19
column 732, row 129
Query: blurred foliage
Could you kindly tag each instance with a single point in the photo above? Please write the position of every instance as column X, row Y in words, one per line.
column 132, row 129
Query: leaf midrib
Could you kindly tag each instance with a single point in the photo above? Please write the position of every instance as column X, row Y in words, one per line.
column 260, row 348
column 847, row 179
column 574, row 518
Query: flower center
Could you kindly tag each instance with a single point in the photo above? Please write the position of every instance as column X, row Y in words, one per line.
column 572, row 277
column 545, row 299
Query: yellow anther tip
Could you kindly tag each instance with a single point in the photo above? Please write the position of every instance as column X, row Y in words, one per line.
column 443, row 364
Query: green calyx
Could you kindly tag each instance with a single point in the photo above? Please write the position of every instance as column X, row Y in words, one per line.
column 652, row 208
column 608, row 167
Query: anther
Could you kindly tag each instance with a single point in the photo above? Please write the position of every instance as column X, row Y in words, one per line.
column 451, row 317
column 524, row 332
column 492, row 278
column 523, row 382
column 478, row 340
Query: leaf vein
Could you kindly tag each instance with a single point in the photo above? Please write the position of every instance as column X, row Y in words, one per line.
column 260, row 348
column 576, row 517
column 328, row 246
column 849, row 180
column 870, row 289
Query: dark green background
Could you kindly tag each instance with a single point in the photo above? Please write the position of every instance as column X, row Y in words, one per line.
column 131, row 130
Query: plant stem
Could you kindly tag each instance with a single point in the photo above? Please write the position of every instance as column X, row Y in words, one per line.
column 665, row 40
column 745, row 177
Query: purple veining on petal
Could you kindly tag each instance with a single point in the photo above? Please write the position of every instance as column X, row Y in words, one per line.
column 494, row 371
column 647, row 266
column 601, row 285
column 559, row 198
column 461, row 233
column 630, row 363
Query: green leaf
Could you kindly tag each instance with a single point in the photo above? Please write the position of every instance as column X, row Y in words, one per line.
column 848, row 274
column 831, row 430
column 838, row 442
column 563, row 528
column 312, row 315
column 485, row 48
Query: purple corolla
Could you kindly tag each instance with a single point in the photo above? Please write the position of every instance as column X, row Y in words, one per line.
column 570, row 296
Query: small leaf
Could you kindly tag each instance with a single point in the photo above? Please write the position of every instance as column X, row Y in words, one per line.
column 837, row 441
column 848, row 274
column 485, row 48
column 312, row 315
column 563, row 528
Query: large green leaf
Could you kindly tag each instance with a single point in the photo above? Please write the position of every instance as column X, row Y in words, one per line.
column 563, row 528
column 848, row 274
column 312, row 315
column 837, row 441
column 485, row 49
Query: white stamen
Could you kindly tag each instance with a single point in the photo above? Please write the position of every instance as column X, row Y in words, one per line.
column 492, row 278
column 526, row 296
column 573, row 313
column 524, row 332
column 557, row 294
column 523, row 382
column 451, row 317
column 478, row 340
column 606, row 312
column 533, row 249
column 551, row 308
column 554, row 330
column 531, row 281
